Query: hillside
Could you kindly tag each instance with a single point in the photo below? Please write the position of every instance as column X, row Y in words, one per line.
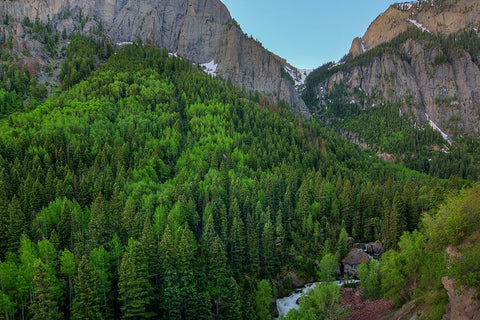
column 412, row 66
column 153, row 189
column 202, row 32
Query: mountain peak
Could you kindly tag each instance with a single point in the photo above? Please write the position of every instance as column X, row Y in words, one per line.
column 200, row 31
column 437, row 16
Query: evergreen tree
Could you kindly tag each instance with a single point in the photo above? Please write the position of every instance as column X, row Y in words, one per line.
column 342, row 244
column 263, row 300
column 44, row 305
column 133, row 291
column 86, row 304
column 17, row 224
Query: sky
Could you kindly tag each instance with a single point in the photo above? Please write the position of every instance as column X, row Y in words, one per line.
column 308, row 33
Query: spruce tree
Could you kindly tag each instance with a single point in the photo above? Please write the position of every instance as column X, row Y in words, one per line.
column 44, row 305
column 86, row 302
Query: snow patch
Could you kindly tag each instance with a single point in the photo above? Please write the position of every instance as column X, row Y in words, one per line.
column 124, row 43
column 437, row 128
column 298, row 75
column 210, row 67
column 405, row 6
column 418, row 25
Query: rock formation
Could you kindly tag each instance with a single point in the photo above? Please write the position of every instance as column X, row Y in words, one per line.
column 437, row 16
column 201, row 31
column 438, row 85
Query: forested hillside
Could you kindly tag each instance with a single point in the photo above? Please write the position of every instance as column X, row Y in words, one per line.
column 146, row 188
column 378, row 107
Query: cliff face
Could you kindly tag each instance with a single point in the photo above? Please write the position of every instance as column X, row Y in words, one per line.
column 446, row 92
column 436, row 84
column 201, row 31
column 437, row 16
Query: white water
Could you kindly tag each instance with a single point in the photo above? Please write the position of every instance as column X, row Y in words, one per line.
column 288, row 303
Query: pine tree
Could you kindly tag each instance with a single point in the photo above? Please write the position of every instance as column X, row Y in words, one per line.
column 342, row 245
column 16, row 225
column 86, row 302
column 237, row 242
column 263, row 298
column 133, row 289
column 44, row 305
column 268, row 244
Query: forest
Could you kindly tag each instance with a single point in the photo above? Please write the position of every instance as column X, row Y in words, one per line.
column 145, row 188
column 386, row 127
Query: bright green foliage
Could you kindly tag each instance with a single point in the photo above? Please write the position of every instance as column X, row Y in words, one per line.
column 214, row 191
column 327, row 269
column 370, row 281
column 401, row 270
column 86, row 304
column 68, row 269
column 342, row 244
column 455, row 220
column 263, row 300
column 320, row 303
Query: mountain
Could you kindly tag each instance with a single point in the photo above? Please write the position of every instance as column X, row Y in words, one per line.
column 201, row 31
column 423, row 55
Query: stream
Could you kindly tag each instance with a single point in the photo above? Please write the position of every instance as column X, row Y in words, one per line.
column 288, row 303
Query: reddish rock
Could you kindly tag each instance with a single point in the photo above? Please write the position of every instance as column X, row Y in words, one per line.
column 463, row 303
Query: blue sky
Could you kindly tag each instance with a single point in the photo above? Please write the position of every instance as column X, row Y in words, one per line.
column 308, row 33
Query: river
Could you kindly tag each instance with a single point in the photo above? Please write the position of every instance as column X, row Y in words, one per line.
column 288, row 303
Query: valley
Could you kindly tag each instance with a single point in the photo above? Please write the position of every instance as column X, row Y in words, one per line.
column 156, row 162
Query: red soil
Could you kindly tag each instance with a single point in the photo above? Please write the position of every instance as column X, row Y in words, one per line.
column 364, row 309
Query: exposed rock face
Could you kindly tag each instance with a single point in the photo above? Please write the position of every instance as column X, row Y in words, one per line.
column 198, row 30
column 436, row 86
column 463, row 303
column 437, row 16
column 446, row 93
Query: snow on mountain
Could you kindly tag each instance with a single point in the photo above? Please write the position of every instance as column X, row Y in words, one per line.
column 298, row 75
column 437, row 128
column 210, row 67
column 405, row 6
column 418, row 25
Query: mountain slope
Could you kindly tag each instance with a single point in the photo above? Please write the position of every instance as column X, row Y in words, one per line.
column 423, row 55
column 179, row 193
column 201, row 31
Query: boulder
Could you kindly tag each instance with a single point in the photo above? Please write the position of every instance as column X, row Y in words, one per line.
column 353, row 259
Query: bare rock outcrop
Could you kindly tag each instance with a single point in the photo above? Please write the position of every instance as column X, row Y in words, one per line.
column 463, row 303
column 437, row 85
column 444, row 93
column 437, row 16
column 201, row 31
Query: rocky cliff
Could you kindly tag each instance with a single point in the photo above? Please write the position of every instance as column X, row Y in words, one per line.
column 201, row 31
column 437, row 87
column 405, row 57
column 436, row 16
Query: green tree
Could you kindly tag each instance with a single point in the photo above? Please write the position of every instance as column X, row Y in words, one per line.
column 86, row 304
column 17, row 224
column 131, row 289
column 342, row 244
column 263, row 300
column 44, row 305
column 320, row 303
column 327, row 268
column 68, row 269
column 370, row 281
